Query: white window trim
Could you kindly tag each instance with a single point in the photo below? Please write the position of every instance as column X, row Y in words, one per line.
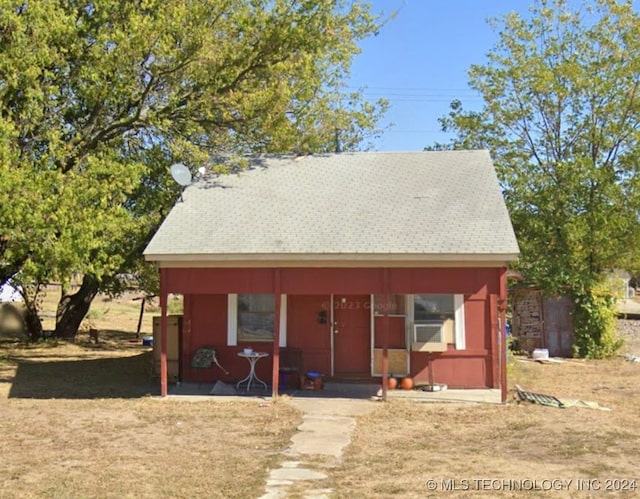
column 232, row 320
column 458, row 305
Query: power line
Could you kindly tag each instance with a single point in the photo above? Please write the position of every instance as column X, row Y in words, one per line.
column 421, row 99
column 392, row 130
column 407, row 94
column 414, row 89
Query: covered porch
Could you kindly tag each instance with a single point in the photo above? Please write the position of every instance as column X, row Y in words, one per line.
column 354, row 325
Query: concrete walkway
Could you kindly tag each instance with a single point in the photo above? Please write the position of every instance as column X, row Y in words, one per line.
column 329, row 418
column 325, row 431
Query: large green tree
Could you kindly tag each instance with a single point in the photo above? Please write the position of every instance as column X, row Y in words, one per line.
column 561, row 116
column 98, row 97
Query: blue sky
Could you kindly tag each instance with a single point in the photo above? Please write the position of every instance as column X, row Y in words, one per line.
column 419, row 61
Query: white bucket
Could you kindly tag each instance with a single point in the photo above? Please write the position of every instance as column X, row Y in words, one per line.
column 540, row 354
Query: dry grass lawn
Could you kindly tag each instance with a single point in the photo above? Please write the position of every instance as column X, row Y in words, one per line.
column 78, row 420
column 398, row 448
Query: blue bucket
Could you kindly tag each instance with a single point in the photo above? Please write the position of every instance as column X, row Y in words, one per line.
column 147, row 341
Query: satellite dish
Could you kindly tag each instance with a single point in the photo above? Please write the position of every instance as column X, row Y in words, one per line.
column 181, row 174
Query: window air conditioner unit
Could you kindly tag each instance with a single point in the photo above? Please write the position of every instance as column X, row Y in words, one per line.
column 429, row 337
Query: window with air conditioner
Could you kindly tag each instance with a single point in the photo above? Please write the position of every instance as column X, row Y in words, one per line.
column 438, row 321
column 429, row 337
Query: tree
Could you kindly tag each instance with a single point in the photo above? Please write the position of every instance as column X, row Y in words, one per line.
column 98, row 97
column 561, row 116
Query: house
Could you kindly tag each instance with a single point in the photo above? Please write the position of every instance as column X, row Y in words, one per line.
column 366, row 264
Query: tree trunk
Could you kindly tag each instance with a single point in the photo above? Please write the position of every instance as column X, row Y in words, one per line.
column 33, row 323
column 72, row 308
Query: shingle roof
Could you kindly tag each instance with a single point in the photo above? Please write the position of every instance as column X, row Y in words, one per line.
column 346, row 204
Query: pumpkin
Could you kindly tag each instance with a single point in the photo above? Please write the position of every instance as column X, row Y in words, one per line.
column 392, row 383
column 406, row 383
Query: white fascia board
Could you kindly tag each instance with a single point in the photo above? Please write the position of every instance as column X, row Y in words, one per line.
column 323, row 260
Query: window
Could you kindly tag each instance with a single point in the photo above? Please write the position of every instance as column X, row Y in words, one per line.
column 251, row 317
column 432, row 307
column 438, row 320
column 255, row 317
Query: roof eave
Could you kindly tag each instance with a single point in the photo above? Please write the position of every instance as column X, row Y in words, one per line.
column 326, row 259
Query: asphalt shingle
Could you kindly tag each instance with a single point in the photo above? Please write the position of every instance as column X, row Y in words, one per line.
column 347, row 204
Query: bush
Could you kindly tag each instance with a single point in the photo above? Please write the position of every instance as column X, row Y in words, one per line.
column 594, row 323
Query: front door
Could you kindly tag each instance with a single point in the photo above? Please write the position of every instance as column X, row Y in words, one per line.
column 352, row 335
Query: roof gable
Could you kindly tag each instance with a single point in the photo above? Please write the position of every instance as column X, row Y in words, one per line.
column 345, row 205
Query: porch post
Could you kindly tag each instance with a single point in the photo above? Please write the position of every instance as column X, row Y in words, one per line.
column 275, row 376
column 502, row 307
column 163, row 332
column 385, row 334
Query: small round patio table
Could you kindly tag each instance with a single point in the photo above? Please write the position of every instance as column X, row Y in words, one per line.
column 253, row 358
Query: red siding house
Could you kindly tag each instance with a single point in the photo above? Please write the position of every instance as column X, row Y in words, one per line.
column 358, row 265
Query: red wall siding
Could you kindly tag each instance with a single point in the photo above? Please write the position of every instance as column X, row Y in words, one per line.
column 476, row 323
column 444, row 280
column 346, row 281
column 305, row 332
column 453, row 370
column 397, row 332
column 205, row 324
column 216, row 280
column 309, row 290
column 466, row 281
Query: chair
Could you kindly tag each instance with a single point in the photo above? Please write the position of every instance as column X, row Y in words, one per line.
column 206, row 357
column 290, row 368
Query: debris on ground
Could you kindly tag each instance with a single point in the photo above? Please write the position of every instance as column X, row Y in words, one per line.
column 538, row 398
column 543, row 361
column 551, row 401
column 584, row 403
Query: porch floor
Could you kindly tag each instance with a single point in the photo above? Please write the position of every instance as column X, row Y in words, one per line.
column 334, row 389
